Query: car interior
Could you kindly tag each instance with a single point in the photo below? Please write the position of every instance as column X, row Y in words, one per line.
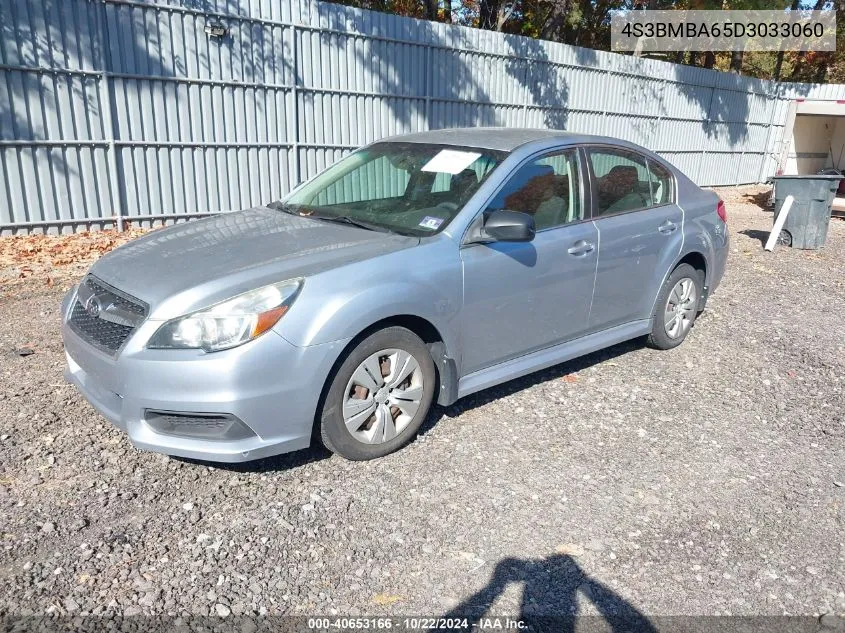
column 621, row 189
column 542, row 189
column 409, row 194
column 539, row 190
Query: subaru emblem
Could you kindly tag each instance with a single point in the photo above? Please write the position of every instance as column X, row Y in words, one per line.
column 92, row 306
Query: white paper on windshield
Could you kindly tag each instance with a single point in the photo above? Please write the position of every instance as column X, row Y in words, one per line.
column 431, row 222
column 450, row 161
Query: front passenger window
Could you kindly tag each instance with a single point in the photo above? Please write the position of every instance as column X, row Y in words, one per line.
column 547, row 188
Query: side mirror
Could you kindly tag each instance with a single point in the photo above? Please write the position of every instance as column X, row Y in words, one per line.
column 509, row 226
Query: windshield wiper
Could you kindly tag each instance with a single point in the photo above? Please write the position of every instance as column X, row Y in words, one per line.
column 340, row 219
column 345, row 219
column 281, row 206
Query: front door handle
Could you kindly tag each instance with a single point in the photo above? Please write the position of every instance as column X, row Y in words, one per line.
column 667, row 227
column 581, row 248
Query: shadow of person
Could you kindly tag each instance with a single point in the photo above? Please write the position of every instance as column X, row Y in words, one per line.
column 550, row 597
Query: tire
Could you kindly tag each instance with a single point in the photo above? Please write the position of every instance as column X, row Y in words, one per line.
column 370, row 408
column 672, row 300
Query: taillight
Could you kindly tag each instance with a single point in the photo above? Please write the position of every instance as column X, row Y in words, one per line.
column 722, row 211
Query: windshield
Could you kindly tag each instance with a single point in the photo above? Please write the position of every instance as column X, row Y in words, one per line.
column 407, row 188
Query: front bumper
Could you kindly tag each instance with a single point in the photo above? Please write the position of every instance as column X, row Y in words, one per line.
column 270, row 384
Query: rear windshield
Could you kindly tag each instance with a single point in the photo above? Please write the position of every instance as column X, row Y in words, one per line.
column 407, row 188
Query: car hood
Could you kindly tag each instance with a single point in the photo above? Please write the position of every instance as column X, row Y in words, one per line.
column 192, row 265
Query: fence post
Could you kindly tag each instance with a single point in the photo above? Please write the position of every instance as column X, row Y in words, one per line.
column 526, row 92
column 108, row 121
column 767, row 151
column 297, row 173
column 428, row 71
column 706, row 121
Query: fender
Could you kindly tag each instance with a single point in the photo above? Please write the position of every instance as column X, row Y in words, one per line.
column 345, row 320
column 696, row 242
column 336, row 305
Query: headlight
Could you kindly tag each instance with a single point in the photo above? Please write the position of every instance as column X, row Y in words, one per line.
column 230, row 323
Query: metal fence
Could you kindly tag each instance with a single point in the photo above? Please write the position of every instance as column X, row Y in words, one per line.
column 121, row 110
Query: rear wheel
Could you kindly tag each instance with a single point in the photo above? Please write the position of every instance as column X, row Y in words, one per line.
column 676, row 307
column 379, row 396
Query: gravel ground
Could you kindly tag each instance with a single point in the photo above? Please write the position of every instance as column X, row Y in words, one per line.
column 704, row 480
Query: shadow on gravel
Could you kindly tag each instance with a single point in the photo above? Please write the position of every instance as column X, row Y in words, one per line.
column 754, row 234
column 550, row 597
column 518, row 384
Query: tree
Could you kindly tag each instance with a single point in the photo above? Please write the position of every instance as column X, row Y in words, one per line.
column 587, row 23
column 493, row 14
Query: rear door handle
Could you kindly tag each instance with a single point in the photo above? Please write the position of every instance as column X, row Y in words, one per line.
column 581, row 248
column 667, row 227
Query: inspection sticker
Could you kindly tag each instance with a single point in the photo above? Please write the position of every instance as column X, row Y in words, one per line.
column 450, row 161
column 430, row 222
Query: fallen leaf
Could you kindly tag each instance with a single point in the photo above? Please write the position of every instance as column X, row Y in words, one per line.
column 42, row 255
column 385, row 599
column 570, row 549
column 570, row 378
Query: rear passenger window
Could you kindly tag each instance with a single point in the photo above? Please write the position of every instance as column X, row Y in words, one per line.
column 547, row 188
column 661, row 183
column 623, row 182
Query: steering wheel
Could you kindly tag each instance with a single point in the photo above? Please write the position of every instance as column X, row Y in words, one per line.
column 451, row 206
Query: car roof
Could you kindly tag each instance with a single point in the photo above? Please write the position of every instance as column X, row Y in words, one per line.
column 502, row 138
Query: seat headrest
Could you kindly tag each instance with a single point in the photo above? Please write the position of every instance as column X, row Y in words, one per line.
column 623, row 174
column 530, row 187
column 562, row 186
column 529, row 173
column 465, row 178
column 522, row 182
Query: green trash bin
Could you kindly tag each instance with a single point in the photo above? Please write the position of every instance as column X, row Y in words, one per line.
column 807, row 222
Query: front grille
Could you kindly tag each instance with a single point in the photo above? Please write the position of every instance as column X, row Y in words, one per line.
column 121, row 299
column 118, row 315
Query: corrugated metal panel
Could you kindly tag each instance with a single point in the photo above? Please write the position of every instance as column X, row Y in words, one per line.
column 127, row 107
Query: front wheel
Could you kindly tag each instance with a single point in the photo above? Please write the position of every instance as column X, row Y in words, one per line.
column 379, row 396
column 676, row 307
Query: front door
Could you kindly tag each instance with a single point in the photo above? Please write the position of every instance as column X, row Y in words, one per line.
column 522, row 297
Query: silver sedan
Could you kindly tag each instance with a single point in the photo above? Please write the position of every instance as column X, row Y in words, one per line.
column 418, row 269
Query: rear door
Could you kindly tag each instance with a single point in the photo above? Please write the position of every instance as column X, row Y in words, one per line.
column 522, row 297
column 640, row 229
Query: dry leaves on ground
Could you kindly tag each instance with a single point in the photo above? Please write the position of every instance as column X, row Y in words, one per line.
column 61, row 250
column 757, row 195
column 43, row 258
